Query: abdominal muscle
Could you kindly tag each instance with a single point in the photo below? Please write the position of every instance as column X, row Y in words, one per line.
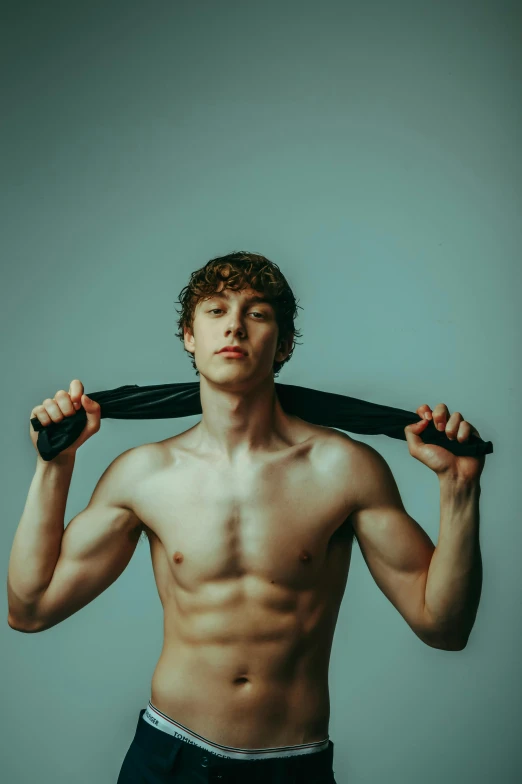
column 245, row 675
column 251, row 583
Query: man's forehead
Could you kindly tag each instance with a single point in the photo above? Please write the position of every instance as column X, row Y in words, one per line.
column 250, row 295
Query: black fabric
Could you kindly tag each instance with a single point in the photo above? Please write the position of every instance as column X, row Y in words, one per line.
column 166, row 401
column 155, row 757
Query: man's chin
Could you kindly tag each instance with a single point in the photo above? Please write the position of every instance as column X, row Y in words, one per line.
column 225, row 375
column 232, row 377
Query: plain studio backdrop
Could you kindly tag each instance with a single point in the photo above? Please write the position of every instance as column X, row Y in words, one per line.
column 370, row 149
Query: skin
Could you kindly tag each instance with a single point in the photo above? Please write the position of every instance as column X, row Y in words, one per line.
column 252, row 572
column 250, row 517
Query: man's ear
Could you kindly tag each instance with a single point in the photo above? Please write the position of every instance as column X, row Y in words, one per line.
column 284, row 347
column 188, row 339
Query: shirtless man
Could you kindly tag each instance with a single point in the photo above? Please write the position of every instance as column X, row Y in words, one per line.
column 250, row 516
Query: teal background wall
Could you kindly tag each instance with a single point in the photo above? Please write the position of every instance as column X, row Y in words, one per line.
column 372, row 150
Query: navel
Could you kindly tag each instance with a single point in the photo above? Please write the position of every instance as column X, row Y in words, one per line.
column 177, row 557
column 305, row 556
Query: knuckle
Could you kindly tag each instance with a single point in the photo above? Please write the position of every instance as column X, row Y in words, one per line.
column 48, row 401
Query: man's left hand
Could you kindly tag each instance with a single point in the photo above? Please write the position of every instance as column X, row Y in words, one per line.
column 441, row 460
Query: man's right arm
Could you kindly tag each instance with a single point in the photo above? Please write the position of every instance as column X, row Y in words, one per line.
column 55, row 572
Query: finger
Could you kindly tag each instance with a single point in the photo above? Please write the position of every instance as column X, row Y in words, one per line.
column 453, row 425
column 464, row 431
column 424, row 411
column 412, row 432
column 75, row 392
column 440, row 416
column 64, row 402
column 53, row 409
column 41, row 414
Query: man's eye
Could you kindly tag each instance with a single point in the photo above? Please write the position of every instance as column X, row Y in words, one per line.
column 254, row 311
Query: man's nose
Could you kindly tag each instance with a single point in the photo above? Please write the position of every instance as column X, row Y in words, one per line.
column 235, row 324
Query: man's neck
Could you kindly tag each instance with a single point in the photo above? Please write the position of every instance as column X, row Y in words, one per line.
column 236, row 424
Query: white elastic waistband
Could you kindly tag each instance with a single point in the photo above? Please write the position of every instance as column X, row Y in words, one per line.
column 163, row 722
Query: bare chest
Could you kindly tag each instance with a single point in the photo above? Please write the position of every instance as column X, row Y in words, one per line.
column 277, row 522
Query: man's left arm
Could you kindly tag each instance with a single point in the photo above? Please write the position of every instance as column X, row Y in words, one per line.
column 436, row 589
column 454, row 580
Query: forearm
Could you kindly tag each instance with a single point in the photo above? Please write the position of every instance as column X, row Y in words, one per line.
column 454, row 581
column 37, row 541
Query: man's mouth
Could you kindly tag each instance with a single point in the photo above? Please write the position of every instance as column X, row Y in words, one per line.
column 231, row 350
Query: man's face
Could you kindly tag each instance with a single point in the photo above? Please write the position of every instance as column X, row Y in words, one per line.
column 234, row 318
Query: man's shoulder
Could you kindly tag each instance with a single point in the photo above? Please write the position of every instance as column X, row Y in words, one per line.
column 353, row 469
column 322, row 435
column 141, row 454
column 331, row 451
column 336, row 442
column 154, row 455
column 339, row 453
column 126, row 474
column 137, row 463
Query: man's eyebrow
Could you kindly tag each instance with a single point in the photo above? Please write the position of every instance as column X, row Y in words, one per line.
column 255, row 298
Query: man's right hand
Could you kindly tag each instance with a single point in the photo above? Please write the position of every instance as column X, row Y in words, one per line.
column 66, row 404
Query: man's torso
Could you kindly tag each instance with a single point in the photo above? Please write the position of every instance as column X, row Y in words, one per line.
column 251, row 563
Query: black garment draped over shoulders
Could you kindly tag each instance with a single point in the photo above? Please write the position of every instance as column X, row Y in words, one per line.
column 166, row 401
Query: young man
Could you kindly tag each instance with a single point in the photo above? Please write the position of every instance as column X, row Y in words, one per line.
column 250, row 516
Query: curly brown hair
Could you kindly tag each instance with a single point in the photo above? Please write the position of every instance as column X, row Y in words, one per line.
column 238, row 270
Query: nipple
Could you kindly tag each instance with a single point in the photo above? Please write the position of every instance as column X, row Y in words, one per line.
column 304, row 556
column 177, row 557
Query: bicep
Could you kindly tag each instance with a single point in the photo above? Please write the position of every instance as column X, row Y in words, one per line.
column 395, row 547
column 96, row 547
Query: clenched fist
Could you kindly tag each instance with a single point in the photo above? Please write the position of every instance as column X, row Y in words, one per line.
column 66, row 404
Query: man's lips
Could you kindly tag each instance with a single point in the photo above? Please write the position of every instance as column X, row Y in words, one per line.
column 230, row 350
